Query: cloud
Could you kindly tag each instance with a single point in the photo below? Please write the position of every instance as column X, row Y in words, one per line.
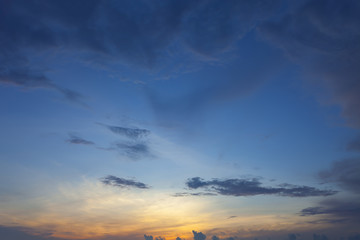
column 335, row 211
column 23, row 233
column 354, row 145
column 78, row 140
column 252, row 187
column 199, row 235
column 323, row 37
column 122, row 182
column 148, row 237
column 133, row 150
column 186, row 194
column 133, row 133
column 319, row 237
column 345, row 173
column 292, row 236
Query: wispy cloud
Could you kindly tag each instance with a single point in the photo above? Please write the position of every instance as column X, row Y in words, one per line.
column 133, row 150
column 252, row 187
column 122, row 182
column 78, row 140
column 133, row 133
column 187, row 194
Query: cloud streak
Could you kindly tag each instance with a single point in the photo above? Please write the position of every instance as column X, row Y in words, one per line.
column 78, row 140
column 114, row 181
column 253, row 187
column 133, row 133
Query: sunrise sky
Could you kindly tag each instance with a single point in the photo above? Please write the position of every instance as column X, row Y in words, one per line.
column 179, row 119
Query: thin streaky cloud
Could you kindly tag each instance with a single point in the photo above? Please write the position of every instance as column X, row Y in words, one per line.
column 114, row 181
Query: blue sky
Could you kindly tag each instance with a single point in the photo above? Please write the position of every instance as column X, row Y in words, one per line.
column 179, row 119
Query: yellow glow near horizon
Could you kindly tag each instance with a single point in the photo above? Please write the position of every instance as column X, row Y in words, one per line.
column 92, row 210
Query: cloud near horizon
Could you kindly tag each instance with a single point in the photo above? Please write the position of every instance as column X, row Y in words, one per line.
column 335, row 211
column 253, row 187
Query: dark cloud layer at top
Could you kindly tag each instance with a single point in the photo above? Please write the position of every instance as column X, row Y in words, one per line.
column 345, row 173
column 252, row 187
column 111, row 30
column 324, row 37
column 122, row 182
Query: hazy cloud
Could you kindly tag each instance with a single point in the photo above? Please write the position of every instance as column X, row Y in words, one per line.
column 122, row 182
column 252, row 187
column 354, row 145
column 292, row 236
column 323, row 36
column 319, row 237
column 78, row 140
column 345, row 173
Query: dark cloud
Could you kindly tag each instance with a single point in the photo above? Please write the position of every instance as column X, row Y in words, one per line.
column 133, row 133
column 22, row 233
column 199, row 235
column 122, row 182
column 252, row 187
column 354, row 237
column 335, row 211
column 148, row 237
column 324, row 37
column 78, row 140
column 345, row 173
column 354, row 145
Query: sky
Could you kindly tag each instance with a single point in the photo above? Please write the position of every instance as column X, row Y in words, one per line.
column 180, row 119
